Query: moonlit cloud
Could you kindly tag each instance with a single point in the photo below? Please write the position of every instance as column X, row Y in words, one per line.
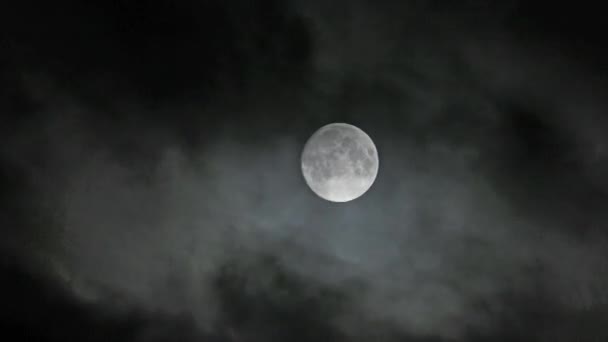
column 489, row 203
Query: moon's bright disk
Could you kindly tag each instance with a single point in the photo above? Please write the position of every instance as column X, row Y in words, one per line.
column 340, row 162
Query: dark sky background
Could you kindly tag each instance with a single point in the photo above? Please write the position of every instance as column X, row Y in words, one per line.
column 151, row 185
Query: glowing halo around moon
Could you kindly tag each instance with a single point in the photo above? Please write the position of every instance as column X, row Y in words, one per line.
column 339, row 162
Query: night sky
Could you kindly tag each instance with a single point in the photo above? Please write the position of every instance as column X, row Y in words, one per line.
column 152, row 191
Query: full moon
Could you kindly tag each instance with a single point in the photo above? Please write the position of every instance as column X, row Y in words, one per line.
column 339, row 162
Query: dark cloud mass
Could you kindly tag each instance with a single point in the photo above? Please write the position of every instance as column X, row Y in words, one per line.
column 152, row 188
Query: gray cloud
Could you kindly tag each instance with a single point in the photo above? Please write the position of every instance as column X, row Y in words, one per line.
column 437, row 237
